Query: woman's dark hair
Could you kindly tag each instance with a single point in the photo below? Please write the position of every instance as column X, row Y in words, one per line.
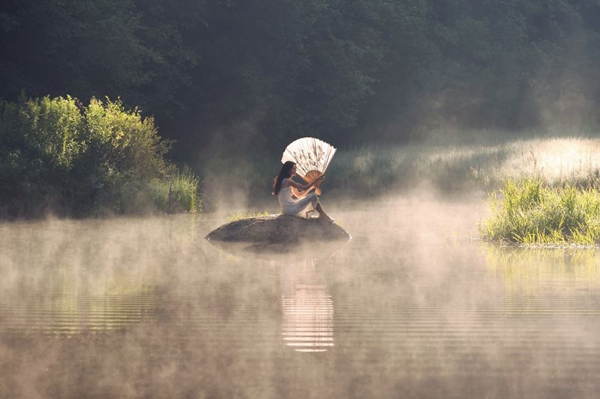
column 283, row 174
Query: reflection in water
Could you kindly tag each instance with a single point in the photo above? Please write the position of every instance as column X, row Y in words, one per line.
column 307, row 309
column 307, row 324
column 415, row 316
column 73, row 277
column 65, row 305
column 546, row 280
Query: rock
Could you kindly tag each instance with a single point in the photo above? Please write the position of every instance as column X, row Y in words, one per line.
column 279, row 237
column 282, row 230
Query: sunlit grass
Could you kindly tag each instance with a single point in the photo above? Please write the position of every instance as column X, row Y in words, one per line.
column 545, row 189
column 179, row 193
column 530, row 212
column 477, row 166
column 239, row 216
column 374, row 169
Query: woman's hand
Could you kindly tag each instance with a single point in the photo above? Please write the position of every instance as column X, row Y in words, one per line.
column 318, row 180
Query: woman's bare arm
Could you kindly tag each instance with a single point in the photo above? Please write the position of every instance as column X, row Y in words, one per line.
column 300, row 190
column 296, row 185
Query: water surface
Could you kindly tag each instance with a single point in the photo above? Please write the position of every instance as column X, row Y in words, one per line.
column 412, row 307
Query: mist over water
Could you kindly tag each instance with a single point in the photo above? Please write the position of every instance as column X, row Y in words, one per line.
column 413, row 306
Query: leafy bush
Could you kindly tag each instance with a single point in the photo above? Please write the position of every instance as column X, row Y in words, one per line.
column 58, row 155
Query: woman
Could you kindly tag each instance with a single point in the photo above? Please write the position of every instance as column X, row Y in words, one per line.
column 297, row 199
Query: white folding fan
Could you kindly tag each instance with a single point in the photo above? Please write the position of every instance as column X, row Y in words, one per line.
column 311, row 156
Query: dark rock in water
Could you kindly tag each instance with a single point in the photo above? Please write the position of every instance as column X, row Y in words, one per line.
column 278, row 236
column 278, row 230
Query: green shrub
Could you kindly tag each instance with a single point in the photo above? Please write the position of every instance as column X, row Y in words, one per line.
column 57, row 154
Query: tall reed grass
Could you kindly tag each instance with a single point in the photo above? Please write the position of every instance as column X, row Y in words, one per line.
column 530, row 212
column 375, row 169
column 177, row 194
column 479, row 165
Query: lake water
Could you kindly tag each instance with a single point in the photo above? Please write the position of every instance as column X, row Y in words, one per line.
column 412, row 307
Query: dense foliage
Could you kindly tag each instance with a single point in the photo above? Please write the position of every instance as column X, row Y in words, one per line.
column 255, row 73
column 58, row 155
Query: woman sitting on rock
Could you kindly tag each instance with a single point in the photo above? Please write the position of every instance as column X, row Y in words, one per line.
column 294, row 198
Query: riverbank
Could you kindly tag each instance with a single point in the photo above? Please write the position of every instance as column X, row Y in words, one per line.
column 479, row 165
column 468, row 167
column 59, row 156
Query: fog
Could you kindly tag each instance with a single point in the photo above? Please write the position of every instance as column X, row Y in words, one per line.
column 413, row 306
column 431, row 104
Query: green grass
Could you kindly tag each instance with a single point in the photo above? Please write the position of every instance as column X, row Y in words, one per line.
column 177, row 194
column 239, row 216
column 373, row 169
column 531, row 212
column 480, row 164
column 545, row 190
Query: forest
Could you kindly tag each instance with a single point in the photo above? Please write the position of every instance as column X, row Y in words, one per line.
column 235, row 77
column 266, row 71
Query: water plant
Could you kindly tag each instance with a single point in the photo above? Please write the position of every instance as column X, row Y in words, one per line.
column 532, row 212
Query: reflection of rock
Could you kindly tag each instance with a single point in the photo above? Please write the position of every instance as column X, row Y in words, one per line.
column 277, row 234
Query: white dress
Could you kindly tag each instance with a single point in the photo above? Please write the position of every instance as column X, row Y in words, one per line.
column 291, row 205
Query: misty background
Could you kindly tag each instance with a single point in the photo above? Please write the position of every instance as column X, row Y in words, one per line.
column 233, row 77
